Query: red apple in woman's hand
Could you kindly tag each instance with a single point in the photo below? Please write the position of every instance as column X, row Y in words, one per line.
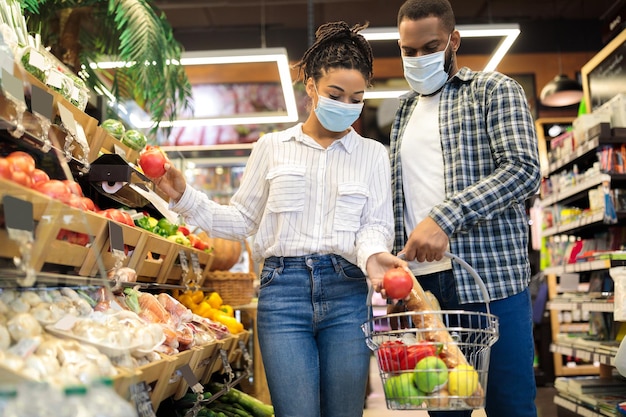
column 152, row 161
column 397, row 283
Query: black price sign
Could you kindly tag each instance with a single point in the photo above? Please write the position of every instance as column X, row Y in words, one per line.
column 141, row 398
column 116, row 236
column 41, row 102
column 18, row 214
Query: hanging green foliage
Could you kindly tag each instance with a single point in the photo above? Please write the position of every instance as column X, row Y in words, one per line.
column 83, row 32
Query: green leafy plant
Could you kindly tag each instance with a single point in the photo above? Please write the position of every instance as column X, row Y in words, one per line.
column 84, row 32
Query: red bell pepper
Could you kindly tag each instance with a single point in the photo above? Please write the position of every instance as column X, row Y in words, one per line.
column 415, row 353
column 391, row 354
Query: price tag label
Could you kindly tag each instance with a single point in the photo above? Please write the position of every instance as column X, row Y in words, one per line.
column 116, row 237
column 18, row 214
column 13, row 86
column 140, row 396
column 67, row 118
column 184, row 264
column 190, row 378
column 195, row 263
column 41, row 102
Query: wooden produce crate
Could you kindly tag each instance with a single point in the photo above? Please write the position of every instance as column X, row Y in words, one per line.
column 53, row 220
column 153, row 258
column 155, row 375
column 236, row 353
column 175, row 275
column 203, row 357
column 124, row 379
column 172, row 379
column 103, row 142
column 228, row 345
column 102, row 243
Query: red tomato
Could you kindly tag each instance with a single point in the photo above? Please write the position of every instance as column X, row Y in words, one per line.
column 5, row 169
column 55, row 189
column 74, row 187
column 391, row 354
column 118, row 216
column 417, row 352
column 39, row 176
column 21, row 161
column 397, row 282
column 152, row 161
column 75, row 238
column 88, row 204
column 22, row 178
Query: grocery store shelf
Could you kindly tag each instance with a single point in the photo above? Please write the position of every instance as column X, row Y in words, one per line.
column 601, row 353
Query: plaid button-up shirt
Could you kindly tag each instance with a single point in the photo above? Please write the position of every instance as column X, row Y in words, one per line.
column 491, row 167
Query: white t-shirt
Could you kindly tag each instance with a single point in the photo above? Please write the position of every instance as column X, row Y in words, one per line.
column 422, row 172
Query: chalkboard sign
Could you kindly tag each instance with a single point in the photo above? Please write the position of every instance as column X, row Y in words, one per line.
column 604, row 75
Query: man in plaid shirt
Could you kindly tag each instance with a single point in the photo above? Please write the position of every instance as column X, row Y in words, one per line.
column 464, row 160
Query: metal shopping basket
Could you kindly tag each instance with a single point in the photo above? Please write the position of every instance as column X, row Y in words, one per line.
column 432, row 359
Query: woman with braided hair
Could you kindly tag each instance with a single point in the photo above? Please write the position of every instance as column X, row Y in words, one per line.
column 316, row 197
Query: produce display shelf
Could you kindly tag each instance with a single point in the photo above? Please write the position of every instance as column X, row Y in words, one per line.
column 203, row 357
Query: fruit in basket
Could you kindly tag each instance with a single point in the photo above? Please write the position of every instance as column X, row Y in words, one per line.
column 391, row 354
column 401, row 389
column 463, row 380
column 397, row 283
column 431, row 374
column 134, row 139
column 152, row 161
column 418, row 351
column 114, row 127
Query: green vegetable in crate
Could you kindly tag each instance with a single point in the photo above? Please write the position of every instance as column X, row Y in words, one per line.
column 134, row 139
column 180, row 239
column 36, row 72
column 165, row 228
column 233, row 396
column 147, row 223
column 114, row 127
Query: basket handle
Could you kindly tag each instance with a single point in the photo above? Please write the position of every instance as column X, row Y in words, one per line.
column 477, row 279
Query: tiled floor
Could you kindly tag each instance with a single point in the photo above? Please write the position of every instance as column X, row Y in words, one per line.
column 376, row 406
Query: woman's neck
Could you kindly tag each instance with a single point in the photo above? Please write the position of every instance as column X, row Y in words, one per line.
column 311, row 127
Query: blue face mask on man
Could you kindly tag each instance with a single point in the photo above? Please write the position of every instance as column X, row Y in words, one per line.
column 426, row 74
column 334, row 115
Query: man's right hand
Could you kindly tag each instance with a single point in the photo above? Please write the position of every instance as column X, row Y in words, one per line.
column 427, row 242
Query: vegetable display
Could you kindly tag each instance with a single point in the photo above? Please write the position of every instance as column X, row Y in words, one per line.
column 233, row 403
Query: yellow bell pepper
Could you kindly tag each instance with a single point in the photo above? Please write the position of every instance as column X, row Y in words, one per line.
column 197, row 296
column 228, row 309
column 202, row 309
column 214, row 300
column 230, row 322
column 186, row 300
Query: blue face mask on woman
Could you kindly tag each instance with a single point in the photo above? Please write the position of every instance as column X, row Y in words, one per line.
column 334, row 115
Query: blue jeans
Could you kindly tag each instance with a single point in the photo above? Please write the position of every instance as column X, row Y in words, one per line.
column 511, row 385
column 309, row 320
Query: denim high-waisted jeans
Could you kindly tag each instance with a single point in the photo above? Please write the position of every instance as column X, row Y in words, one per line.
column 309, row 320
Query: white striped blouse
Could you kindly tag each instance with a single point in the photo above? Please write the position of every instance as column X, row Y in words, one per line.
column 299, row 198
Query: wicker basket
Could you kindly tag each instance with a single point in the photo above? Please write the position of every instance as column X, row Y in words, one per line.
column 235, row 288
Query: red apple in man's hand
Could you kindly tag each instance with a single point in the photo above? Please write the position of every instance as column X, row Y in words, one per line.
column 397, row 283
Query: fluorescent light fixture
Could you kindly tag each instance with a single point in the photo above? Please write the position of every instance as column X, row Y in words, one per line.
column 508, row 33
column 234, row 56
column 378, row 94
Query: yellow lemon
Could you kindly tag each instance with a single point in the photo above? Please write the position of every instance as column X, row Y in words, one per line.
column 462, row 380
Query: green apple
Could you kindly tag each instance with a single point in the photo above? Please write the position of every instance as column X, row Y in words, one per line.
column 401, row 389
column 431, row 374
